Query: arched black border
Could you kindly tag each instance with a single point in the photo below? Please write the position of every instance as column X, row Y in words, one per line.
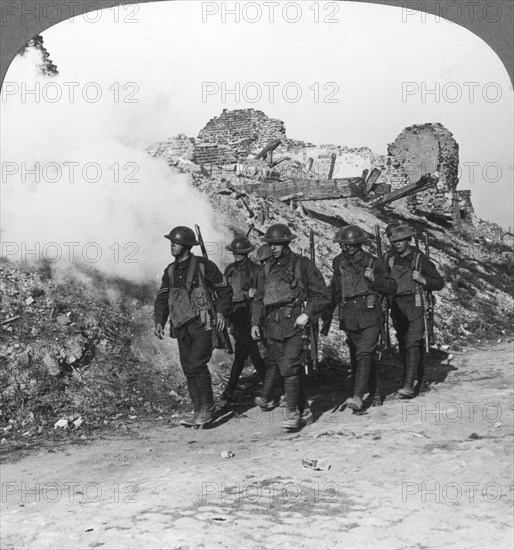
column 498, row 35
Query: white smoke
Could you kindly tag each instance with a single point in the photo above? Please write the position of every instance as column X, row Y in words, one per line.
column 78, row 186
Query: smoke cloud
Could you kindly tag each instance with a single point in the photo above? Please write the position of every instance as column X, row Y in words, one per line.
column 77, row 185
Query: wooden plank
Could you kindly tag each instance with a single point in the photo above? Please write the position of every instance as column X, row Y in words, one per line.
column 424, row 183
column 290, row 197
column 332, row 165
column 270, row 146
column 371, row 181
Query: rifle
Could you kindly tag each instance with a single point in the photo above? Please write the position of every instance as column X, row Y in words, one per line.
column 430, row 300
column 211, row 299
column 250, row 229
column 421, row 291
column 386, row 338
column 310, row 334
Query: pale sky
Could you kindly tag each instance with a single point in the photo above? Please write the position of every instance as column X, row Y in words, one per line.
column 368, row 57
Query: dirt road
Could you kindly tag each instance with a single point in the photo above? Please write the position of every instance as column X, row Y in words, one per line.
column 434, row 472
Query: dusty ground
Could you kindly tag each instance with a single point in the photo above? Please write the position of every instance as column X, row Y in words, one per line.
column 434, row 472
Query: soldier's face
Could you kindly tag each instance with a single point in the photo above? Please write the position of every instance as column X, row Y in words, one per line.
column 350, row 249
column 177, row 249
column 401, row 246
column 278, row 249
column 239, row 257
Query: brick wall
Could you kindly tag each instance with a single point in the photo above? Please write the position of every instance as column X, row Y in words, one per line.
column 244, row 131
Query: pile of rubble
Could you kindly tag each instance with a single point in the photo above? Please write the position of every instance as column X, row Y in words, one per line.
column 67, row 364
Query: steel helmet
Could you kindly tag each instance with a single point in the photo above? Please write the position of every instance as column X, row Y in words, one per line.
column 240, row 245
column 351, row 234
column 182, row 235
column 278, row 233
column 401, row 233
column 263, row 253
column 390, row 228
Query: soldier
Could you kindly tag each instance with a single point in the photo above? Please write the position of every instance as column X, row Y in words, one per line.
column 183, row 297
column 290, row 293
column 414, row 273
column 241, row 275
column 357, row 277
column 389, row 230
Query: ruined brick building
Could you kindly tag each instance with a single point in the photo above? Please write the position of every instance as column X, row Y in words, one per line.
column 238, row 135
column 429, row 149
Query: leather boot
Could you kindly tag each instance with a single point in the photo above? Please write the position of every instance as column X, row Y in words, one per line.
column 355, row 403
column 272, row 382
column 205, row 413
column 362, row 377
column 412, row 357
column 293, row 393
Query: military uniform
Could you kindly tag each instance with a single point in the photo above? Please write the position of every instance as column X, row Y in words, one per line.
column 407, row 305
column 185, row 281
column 242, row 276
column 360, row 313
column 287, row 287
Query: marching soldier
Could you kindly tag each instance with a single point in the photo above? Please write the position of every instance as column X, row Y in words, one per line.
column 241, row 275
column 290, row 293
column 183, row 297
column 414, row 273
column 357, row 277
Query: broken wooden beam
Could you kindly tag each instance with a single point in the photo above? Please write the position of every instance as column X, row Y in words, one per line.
column 332, row 166
column 250, row 211
column 286, row 198
column 282, row 159
column 372, row 180
column 270, row 146
column 424, row 183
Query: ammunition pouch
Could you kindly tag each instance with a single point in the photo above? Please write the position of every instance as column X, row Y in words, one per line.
column 182, row 309
column 188, row 304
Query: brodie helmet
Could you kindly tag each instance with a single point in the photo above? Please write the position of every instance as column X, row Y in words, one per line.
column 182, row 235
column 240, row 245
column 351, row 234
column 390, row 228
column 401, row 233
column 278, row 233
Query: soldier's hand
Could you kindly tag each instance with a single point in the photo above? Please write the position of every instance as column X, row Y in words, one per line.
column 159, row 331
column 220, row 321
column 301, row 320
column 369, row 274
column 256, row 332
column 252, row 292
column 416, row 275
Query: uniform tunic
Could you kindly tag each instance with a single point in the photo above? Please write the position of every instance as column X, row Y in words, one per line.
column 194, row 339
column 242, row 276
column 406, row 310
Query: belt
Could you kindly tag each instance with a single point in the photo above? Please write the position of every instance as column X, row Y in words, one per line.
column 355, row 298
